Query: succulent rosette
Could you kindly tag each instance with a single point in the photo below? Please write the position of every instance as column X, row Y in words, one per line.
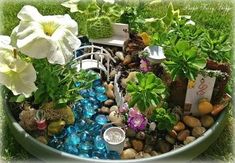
column 136, row 120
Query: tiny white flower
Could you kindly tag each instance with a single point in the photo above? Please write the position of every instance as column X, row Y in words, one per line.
column 16, row 74
column 51, row 37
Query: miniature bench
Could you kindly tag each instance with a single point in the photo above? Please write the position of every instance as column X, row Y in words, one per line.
column 120, row 35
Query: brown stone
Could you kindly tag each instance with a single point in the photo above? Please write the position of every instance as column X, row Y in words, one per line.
column 207, row 121
column 140, row 135
column 183, row 134
column 198, row 131
column 164, row 146
column 179, row 126
column 129, row 153
column 191, row 121
column 189, row 139
column 138, row 145
column 109, row 102
column 173, row 133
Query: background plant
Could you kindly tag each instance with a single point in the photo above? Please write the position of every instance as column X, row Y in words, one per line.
column 185, row 60
column 147, row 91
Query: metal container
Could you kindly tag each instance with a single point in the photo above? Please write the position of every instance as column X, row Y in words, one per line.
column 46, row 153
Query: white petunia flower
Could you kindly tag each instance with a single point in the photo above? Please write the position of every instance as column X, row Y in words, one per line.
column 16, row 74
column 51, row 37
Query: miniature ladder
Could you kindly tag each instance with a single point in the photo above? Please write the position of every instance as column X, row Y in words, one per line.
column 93, row 58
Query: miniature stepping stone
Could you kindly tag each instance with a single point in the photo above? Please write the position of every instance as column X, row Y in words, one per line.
column 156, row 54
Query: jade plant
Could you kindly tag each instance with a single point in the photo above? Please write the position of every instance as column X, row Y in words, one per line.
column 146, row 92
column 185, row 60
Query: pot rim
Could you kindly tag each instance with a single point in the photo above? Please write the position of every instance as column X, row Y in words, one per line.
column 209, row 132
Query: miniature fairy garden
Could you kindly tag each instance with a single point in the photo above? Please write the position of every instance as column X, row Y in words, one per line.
column 158, row 90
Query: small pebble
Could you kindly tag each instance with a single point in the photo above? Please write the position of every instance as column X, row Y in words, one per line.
column 189, row 139
column 152, row 126
column 204, row 106
column 113, row 73
column 130, row 132
column 120, row 55
column 173, row 133
column 114, row 108
column 179, row 127
column 154, row 153
column 207, row 121
column 138, row 145
column 148, row 148
column 170, row 139
column 127, row 143
column 116, row 118
column 183, row 134
column 164, row 146
column 109, row 102
column 198, row 131
column 191, row 121
column 140, row 135
column 139, row 155
column 147, row 155
column 104, row 110
column 129, row 153
column 127, row 60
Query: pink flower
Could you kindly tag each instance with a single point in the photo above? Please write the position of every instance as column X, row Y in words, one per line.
column 145, row 65
column 136, row 120
column 123, row 108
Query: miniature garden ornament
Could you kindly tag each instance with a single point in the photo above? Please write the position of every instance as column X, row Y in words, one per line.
column 16, row 74
column 51, row 37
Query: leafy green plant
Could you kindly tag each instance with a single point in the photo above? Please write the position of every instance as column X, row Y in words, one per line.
column 147, row 91
column 58, row 84
column 165, row 120
column 217, row 46
column 185, row 60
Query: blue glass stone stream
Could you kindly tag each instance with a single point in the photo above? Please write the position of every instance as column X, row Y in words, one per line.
column 83, row 137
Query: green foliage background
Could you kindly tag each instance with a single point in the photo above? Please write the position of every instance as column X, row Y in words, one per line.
column 214, row 14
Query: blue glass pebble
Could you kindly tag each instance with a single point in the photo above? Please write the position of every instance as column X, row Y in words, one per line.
column 98, row 155
column 85, row 146
column 70, row 130
column 101, row 97
column 91, row 93
column 100, row 89
column 101, row 119
column 99, row 142
column 113, row 155
column 71, row 149
column 97, row 82
column 73, row 139
column 84, row 102
column 84, row 155
column 84, row 93
column 80, row 125
column 78, row 84
column 88, row 113
column 85, row 136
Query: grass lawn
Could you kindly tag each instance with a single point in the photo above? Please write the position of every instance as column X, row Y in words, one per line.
column 208, row 14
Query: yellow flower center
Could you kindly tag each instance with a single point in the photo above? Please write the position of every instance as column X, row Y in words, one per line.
column 49, row 28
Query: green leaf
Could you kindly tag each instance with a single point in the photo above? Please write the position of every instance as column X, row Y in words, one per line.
column 17, row 99
column 182, row 45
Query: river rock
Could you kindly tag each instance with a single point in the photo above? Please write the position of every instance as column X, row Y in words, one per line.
column 164, row 146
column 148, row 148
column 189, row 139
column 198, row 131
column 109, row 102
column 179, row 127
column 191, row 121
column 113, row 73
column 104, row 110
column 127, row 60
column 116, row 118
column 138, row 145
column 183, row 134
column 173, row 133
column 170, row 139
column 140, row 135
column 129, row 153
column 127, row 143
column 207, row 121
column 130, row 132
column 152, row 126
column 147, row 155
column 120, row 55
column 154, row 153
column 204, row 106
column 114, row 108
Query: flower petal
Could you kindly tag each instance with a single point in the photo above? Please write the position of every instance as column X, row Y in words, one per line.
column 29, row 13
column 66, row 43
